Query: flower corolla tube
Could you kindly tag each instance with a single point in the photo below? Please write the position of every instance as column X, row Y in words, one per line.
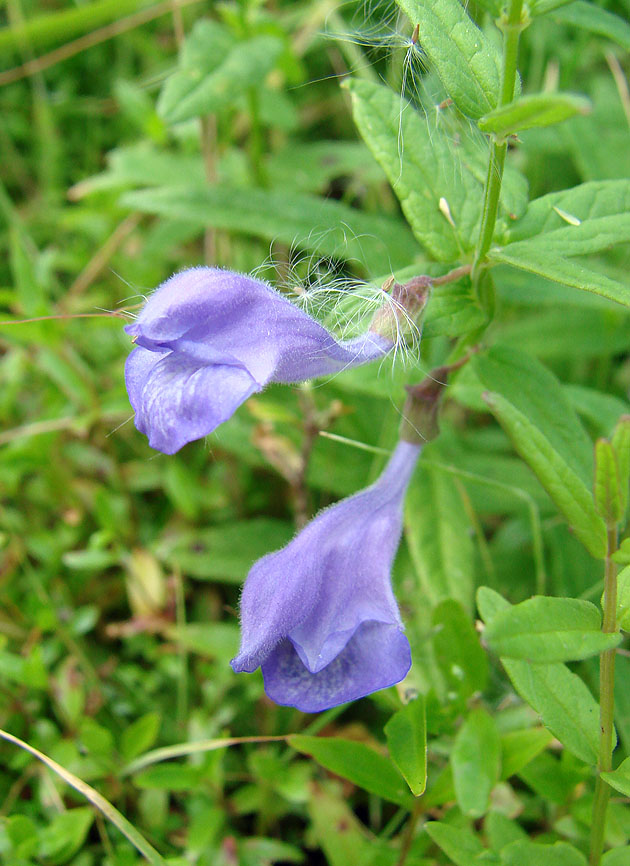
column 319, row 616
column 208, row 338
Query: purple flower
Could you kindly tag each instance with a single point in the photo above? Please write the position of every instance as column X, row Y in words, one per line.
column 319, row 616
column 207, row 339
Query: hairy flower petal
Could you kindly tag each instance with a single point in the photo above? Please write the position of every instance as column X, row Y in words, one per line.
column 210, row 319
column 321, row 595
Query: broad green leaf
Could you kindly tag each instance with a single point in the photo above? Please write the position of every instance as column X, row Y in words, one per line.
column 560, row 697
column 459, row 844
column 532, row 409
column 617, row 857
column 303, row 221
column 591, row 236
column 607, row 486
column 539, row 109
column 589, row 16
column 535, row 258
column 407, row 743
column 436, row 529
column 356, row 762
column 535, row 854
column 423, row 170
column 468, row 64
column 452, row 310
column 518, row 748
column 65, row 835
column 215, row 69
column 139, row 736
column 588, row 201
column 458, row 651
column 476, row 762
column 621, row 445
column 546, row 629
column 501, row 830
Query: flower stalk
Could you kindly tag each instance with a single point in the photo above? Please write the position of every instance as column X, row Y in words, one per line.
column 511, row 23
column 606, row 703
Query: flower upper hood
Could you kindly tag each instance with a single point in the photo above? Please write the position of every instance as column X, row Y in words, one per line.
column 207, row 339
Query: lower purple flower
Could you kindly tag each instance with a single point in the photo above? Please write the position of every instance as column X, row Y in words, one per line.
column 319, row 617
column 208, row 339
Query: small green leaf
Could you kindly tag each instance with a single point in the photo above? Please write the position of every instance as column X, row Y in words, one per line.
column 539, row 109
column 607, row 488
column 475, row 762
column 619, row 779
column 490, row 603
column 534, row 854
column 621, row 445
column 501, row 830
column 358, row 763
column 170, row 777
column 468, row 64
column 214, row 70
column 458, row 650
column 407, row 742
column 139, row 736
column 459, row 844
column 544, row 629
column 617, row 857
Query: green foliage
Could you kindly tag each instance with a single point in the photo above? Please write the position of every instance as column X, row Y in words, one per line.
column 159, row 136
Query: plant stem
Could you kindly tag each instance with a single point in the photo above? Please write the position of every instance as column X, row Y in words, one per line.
column 606, row 703
column 511, row 24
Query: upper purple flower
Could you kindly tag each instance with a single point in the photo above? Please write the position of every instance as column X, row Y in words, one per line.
column 319, row 616
column 207, row 339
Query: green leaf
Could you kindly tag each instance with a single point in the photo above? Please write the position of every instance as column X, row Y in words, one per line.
column 97, row 800
column 588, row 16
column 65, row 835
column 170, row 777
column 139, row 736
column 458, row 650
column 215, row 69
column 607, row 487
column 459, row 844
column 619, row 779
column 422, row 173
column 531, row 406
column 542, row 7
column 337, row 829
column 518, row 748
column 621, row 445
column 407, row 743
column 476, row 763
column 534, row 854
column 501, row 830
column 358, row 763
column 544, row 629
column 468, row 64
column 303, row 221
column 560, row 697
column 436, row 529
column 536, row 259
column 616, row 857
column 623, row 598
column 539, row 109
